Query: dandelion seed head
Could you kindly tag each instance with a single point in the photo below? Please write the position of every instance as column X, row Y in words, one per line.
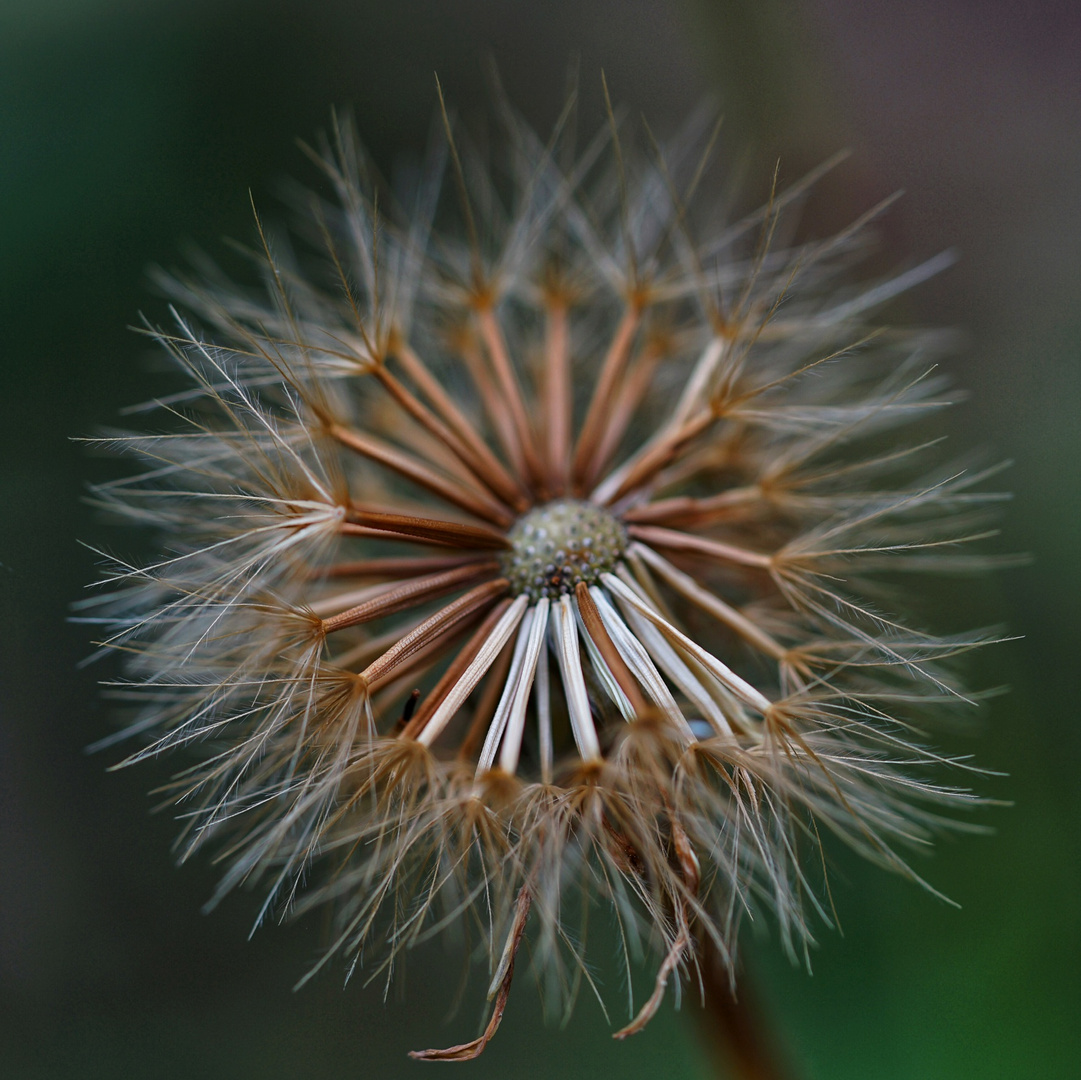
column 539, row 554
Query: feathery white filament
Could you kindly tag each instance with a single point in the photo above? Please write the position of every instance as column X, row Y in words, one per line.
column 503, row 709
column 637, row 659
column 512, row 740
column 544, row 712
column 724, row 674
column 472, row 675
column 565, row 640
column 710, row 602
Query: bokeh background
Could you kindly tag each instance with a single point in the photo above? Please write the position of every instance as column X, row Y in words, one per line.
column 129, row 128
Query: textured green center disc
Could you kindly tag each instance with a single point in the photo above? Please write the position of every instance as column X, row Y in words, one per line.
column 559, row 544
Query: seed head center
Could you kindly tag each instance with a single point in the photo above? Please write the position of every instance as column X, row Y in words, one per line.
column 556, row 545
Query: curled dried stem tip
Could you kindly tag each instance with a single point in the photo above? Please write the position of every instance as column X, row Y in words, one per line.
column 646, row 1013
column 690, row 871
column 475, row 1047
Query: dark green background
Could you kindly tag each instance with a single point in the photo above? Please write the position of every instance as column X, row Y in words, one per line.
column 130, row 128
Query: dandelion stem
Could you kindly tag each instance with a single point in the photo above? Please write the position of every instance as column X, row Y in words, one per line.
column 427, row 654
column 565, row 641
column 697, row 384
column 478, row 666
column 533, row 652
column 491, row 398
column 389, row 688
column 686, row 510
column 641, row 468
column 731, row 1024
column 489, row 698
column 717, row 668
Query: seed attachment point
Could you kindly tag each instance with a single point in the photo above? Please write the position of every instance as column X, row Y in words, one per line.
column 559, row 544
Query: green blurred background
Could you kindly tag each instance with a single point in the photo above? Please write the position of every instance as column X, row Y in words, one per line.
column 128, row 129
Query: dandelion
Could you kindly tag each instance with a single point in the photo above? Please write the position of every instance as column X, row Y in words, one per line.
column 533, row 549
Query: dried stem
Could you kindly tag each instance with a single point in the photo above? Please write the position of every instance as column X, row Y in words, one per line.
column 470, row 352
column 489, row 698
column 707, row 601
column 425, row 656
column 653, row 1002
column 687, row 510
column 690, row 871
